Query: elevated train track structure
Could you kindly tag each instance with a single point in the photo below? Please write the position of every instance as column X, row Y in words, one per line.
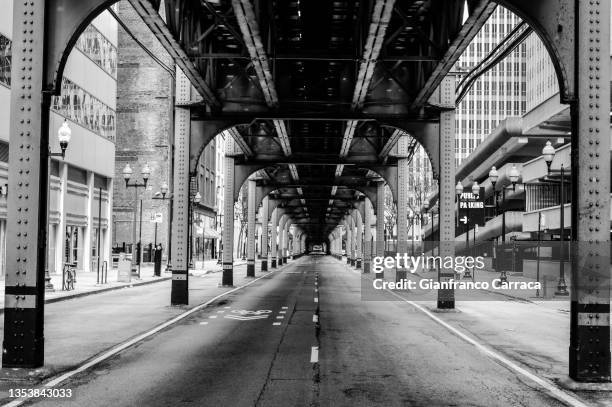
column 324, row 103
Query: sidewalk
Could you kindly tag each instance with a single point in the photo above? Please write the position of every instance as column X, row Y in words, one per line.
column 77, row 330
column 87, row 282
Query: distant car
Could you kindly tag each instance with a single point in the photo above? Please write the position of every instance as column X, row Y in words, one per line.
column 317, row 249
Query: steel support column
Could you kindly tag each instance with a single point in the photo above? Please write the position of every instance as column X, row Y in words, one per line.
column 251, row 214
column 181, row 194
column 367, row 237
column 402, row 202
column 380, row 223
column 281, row 239
column 264, row 234
column 358, row 239
column 286, row 241
column 589, row 350
column 446, row 297
column 23, row 344
column 274, row 238
column 349, row 240
column 228, row 214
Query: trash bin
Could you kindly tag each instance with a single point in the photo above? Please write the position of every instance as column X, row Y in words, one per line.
column 157, row 258
column 124, row 274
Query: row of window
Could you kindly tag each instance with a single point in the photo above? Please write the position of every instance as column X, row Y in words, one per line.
column 100, row 50
column 82, row 108
column 5, row 60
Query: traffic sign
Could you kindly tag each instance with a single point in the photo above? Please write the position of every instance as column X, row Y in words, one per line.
column 471, row 207
column 157, row 217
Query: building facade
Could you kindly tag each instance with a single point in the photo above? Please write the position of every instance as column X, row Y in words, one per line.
column 144, row 137
column 499, row 93
column 80, row 198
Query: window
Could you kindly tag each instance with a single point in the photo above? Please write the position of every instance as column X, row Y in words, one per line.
column 100, row 50
column 5, row 60
column 82, row 108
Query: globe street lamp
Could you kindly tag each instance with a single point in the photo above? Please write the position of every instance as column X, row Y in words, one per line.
column 64, row 134
column 548, row 152
column 145, row 172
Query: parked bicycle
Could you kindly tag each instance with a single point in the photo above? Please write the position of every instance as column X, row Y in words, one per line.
column 68, row 276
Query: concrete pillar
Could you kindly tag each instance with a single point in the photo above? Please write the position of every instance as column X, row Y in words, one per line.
column 380, row 223
column 446, row 297
column 251, row 214
column 181, row 208
column 358, row 239
column 228, row 214
column 264, row 234
column 589, row 351
column 274, row 238
column 402, row 202
column 367, row 236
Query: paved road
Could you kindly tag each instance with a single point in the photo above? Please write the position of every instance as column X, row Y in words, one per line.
column 371, row 353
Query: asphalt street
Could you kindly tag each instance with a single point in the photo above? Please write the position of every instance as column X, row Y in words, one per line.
column 303, row 337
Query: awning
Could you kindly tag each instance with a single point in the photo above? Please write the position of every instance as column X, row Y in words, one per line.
column 211, row 234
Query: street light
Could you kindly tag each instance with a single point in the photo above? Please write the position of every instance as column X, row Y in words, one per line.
column 195, row 199
column 162, row 194
column 493, row 177
column 145, row 172
column 548, row 152
column 64, row 134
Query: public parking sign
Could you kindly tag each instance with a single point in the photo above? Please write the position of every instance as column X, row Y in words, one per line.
column 157, row 217
column 471, row 208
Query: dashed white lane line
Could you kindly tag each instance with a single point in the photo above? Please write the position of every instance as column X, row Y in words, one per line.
column 212, row 317
column 203, row 323
column 314, row 354
column 220, row 312
column 315, row 318
column 280, row 317
column 550, row 387
column 276, row 323
column 282, row 312
column 122, row 346
column 285, row 307
column 316, row 299
column 227, row 307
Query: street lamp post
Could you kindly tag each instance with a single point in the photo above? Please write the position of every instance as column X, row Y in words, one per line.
column 163, row 195
column 195, row 199
column 64, row 133
column 493, row 177
column 549, row 153
column 127, row 174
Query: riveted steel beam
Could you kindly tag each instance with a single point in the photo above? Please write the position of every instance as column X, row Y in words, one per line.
column 158, row 27
column 26, row 235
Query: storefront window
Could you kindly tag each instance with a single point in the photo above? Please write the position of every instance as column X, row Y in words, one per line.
column 100, row 50
column 5, row 60
column 82, row 108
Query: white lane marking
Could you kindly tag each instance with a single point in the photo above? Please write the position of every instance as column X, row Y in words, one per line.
column 203, row 323
column 276, row 323
column 550, row 387
column 112, row 352
column 316, row 290
column 282, row 312
column 212, row 317
column 220, row 312
column 315, row 318
column 316, row 299
column 285, row 307
column 227, row 307
column 280, row 317
column 314, row 354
